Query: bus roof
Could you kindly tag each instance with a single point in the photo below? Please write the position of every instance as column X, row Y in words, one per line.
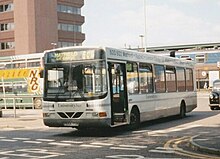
column 23, row 56
column 129, row 55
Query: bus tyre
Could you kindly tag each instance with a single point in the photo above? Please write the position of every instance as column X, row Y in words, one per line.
column 134, row 119
column 182, row 110
column 37, row 103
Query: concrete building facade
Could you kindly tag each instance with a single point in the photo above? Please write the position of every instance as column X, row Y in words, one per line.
column 30, row 26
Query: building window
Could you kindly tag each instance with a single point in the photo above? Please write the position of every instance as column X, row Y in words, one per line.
column 67, row 44
column 1, row 8
column 2, row 47
column 6, row 26
column 200, row 58
column 68, row 9
column 2, row 27
column 7, row 45
column 69, row 27
column 9, row 7
column 6, row 7
column 185, row 57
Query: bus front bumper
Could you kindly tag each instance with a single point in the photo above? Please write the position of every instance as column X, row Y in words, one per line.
column 85, row 123
column 214, row 105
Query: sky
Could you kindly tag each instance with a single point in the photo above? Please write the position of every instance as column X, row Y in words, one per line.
column 119, row 23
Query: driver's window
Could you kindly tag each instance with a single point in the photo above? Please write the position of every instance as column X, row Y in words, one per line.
column 55, row 78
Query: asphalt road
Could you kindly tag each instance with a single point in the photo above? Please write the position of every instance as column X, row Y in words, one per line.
column 163, row 138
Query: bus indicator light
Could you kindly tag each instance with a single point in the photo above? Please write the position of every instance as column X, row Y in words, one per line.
column 102, row 114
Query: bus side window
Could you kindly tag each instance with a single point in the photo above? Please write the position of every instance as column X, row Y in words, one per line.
column 181, row 84
column 146, row 78
column 171, row 79
column 132, row 78
column 189, row 80
column 159, row 79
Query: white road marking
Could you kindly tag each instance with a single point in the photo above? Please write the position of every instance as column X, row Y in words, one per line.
column 1, row 137
column 126, row 157
column 134, row 157
column 140, row 131
column 40, row 151
column 8, row 140
column 72, row 142
column 200, row 139
column 161, row 151
column 133, row 146
column 92, row 146
column 32, row 142
column 46, row 140
column 163, row 148
column 175, row 129
column 18, row 138
column 101, row 144
column 123, row 148
column 59, row 144
column 30, row 153
column 6, row 152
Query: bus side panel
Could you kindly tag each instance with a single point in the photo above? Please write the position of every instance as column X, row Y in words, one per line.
column 191, row 101
column 145, row 104
column 168, row 104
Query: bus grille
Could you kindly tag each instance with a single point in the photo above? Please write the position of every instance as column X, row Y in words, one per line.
column 68, row 115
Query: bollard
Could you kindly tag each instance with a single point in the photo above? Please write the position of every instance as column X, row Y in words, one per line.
column 14, row 106
column 0, row 112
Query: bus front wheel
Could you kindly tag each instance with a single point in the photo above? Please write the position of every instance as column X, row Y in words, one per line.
column 134, row 118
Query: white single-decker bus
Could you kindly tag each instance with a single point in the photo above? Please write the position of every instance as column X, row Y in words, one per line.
column 101, row 86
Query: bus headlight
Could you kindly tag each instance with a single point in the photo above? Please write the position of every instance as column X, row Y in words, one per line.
column 95, row 114
column 99, row 114
column 211, row 96
column 46, row 115
column 48, row 106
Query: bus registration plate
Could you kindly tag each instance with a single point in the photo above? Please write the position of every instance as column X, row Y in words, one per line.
column 70, row 124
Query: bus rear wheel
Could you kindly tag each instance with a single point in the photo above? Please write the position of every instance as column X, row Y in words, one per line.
column 134, row 119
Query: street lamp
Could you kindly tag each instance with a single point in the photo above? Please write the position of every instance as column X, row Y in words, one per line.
column 145, row 26
column 142, row 41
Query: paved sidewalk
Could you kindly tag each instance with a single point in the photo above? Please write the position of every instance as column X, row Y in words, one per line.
column 208, row 143
column 21, row 119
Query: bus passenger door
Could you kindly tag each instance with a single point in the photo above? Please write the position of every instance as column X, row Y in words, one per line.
column 119, row 99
